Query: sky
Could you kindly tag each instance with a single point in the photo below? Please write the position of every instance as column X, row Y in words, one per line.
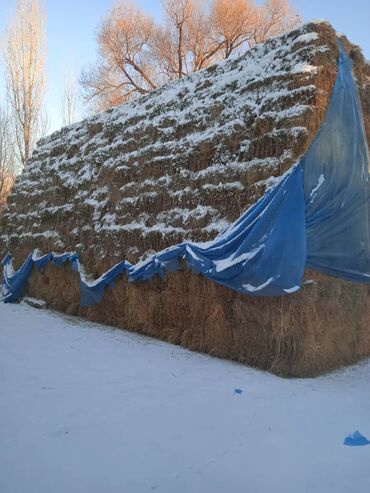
column 72, row 26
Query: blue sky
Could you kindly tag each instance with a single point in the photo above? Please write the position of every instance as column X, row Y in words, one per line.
column 72, row 25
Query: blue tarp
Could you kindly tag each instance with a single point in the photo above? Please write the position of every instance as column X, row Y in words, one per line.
column 356, row 440
column 337, row 186
column 316, row 216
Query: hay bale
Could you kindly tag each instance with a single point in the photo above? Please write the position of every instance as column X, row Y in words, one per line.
column 321, row 328
column 183, row 163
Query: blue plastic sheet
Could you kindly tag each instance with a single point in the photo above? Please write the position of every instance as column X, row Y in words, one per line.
column 14, row 283
column 337, row 188
column 356, row 440
column 316, row 216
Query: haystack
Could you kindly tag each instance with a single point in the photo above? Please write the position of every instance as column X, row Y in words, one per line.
column 184, row 163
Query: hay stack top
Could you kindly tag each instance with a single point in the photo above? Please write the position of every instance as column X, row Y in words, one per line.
column 181, row 162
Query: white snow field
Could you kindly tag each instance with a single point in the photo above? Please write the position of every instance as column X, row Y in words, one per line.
column 90, row 409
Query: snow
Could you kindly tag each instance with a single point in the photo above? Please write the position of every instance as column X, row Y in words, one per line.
column 293, row 289
column 307, row 38
column 237, row 258
column 302, row 68
column 88, row 408
column 35, row 302
column 320, row 182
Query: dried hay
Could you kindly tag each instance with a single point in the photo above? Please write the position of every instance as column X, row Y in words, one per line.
column 324, row 326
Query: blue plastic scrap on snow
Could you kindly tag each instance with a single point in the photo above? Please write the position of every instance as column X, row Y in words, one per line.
column 356, row 440
column 316, row 216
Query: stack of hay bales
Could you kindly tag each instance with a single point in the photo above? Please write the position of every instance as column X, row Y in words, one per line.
column 183, row 163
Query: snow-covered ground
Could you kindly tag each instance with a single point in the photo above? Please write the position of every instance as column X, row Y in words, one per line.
column 86, row 408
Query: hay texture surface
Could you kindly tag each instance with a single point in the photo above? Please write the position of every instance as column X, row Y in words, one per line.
column 183, row 163
column 180, row 163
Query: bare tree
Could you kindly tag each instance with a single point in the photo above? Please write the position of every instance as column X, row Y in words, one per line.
column 25, row 73
column 136, row 56
column 7, row 157
column 126, row 66
column 179, row 15
column 234, row 23
column 274, row 17
column 201, row 45
column 68, row 102
column 43, row 123
column 185, row 43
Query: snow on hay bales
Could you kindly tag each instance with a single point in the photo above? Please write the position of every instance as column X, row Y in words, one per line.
column 182, row 163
